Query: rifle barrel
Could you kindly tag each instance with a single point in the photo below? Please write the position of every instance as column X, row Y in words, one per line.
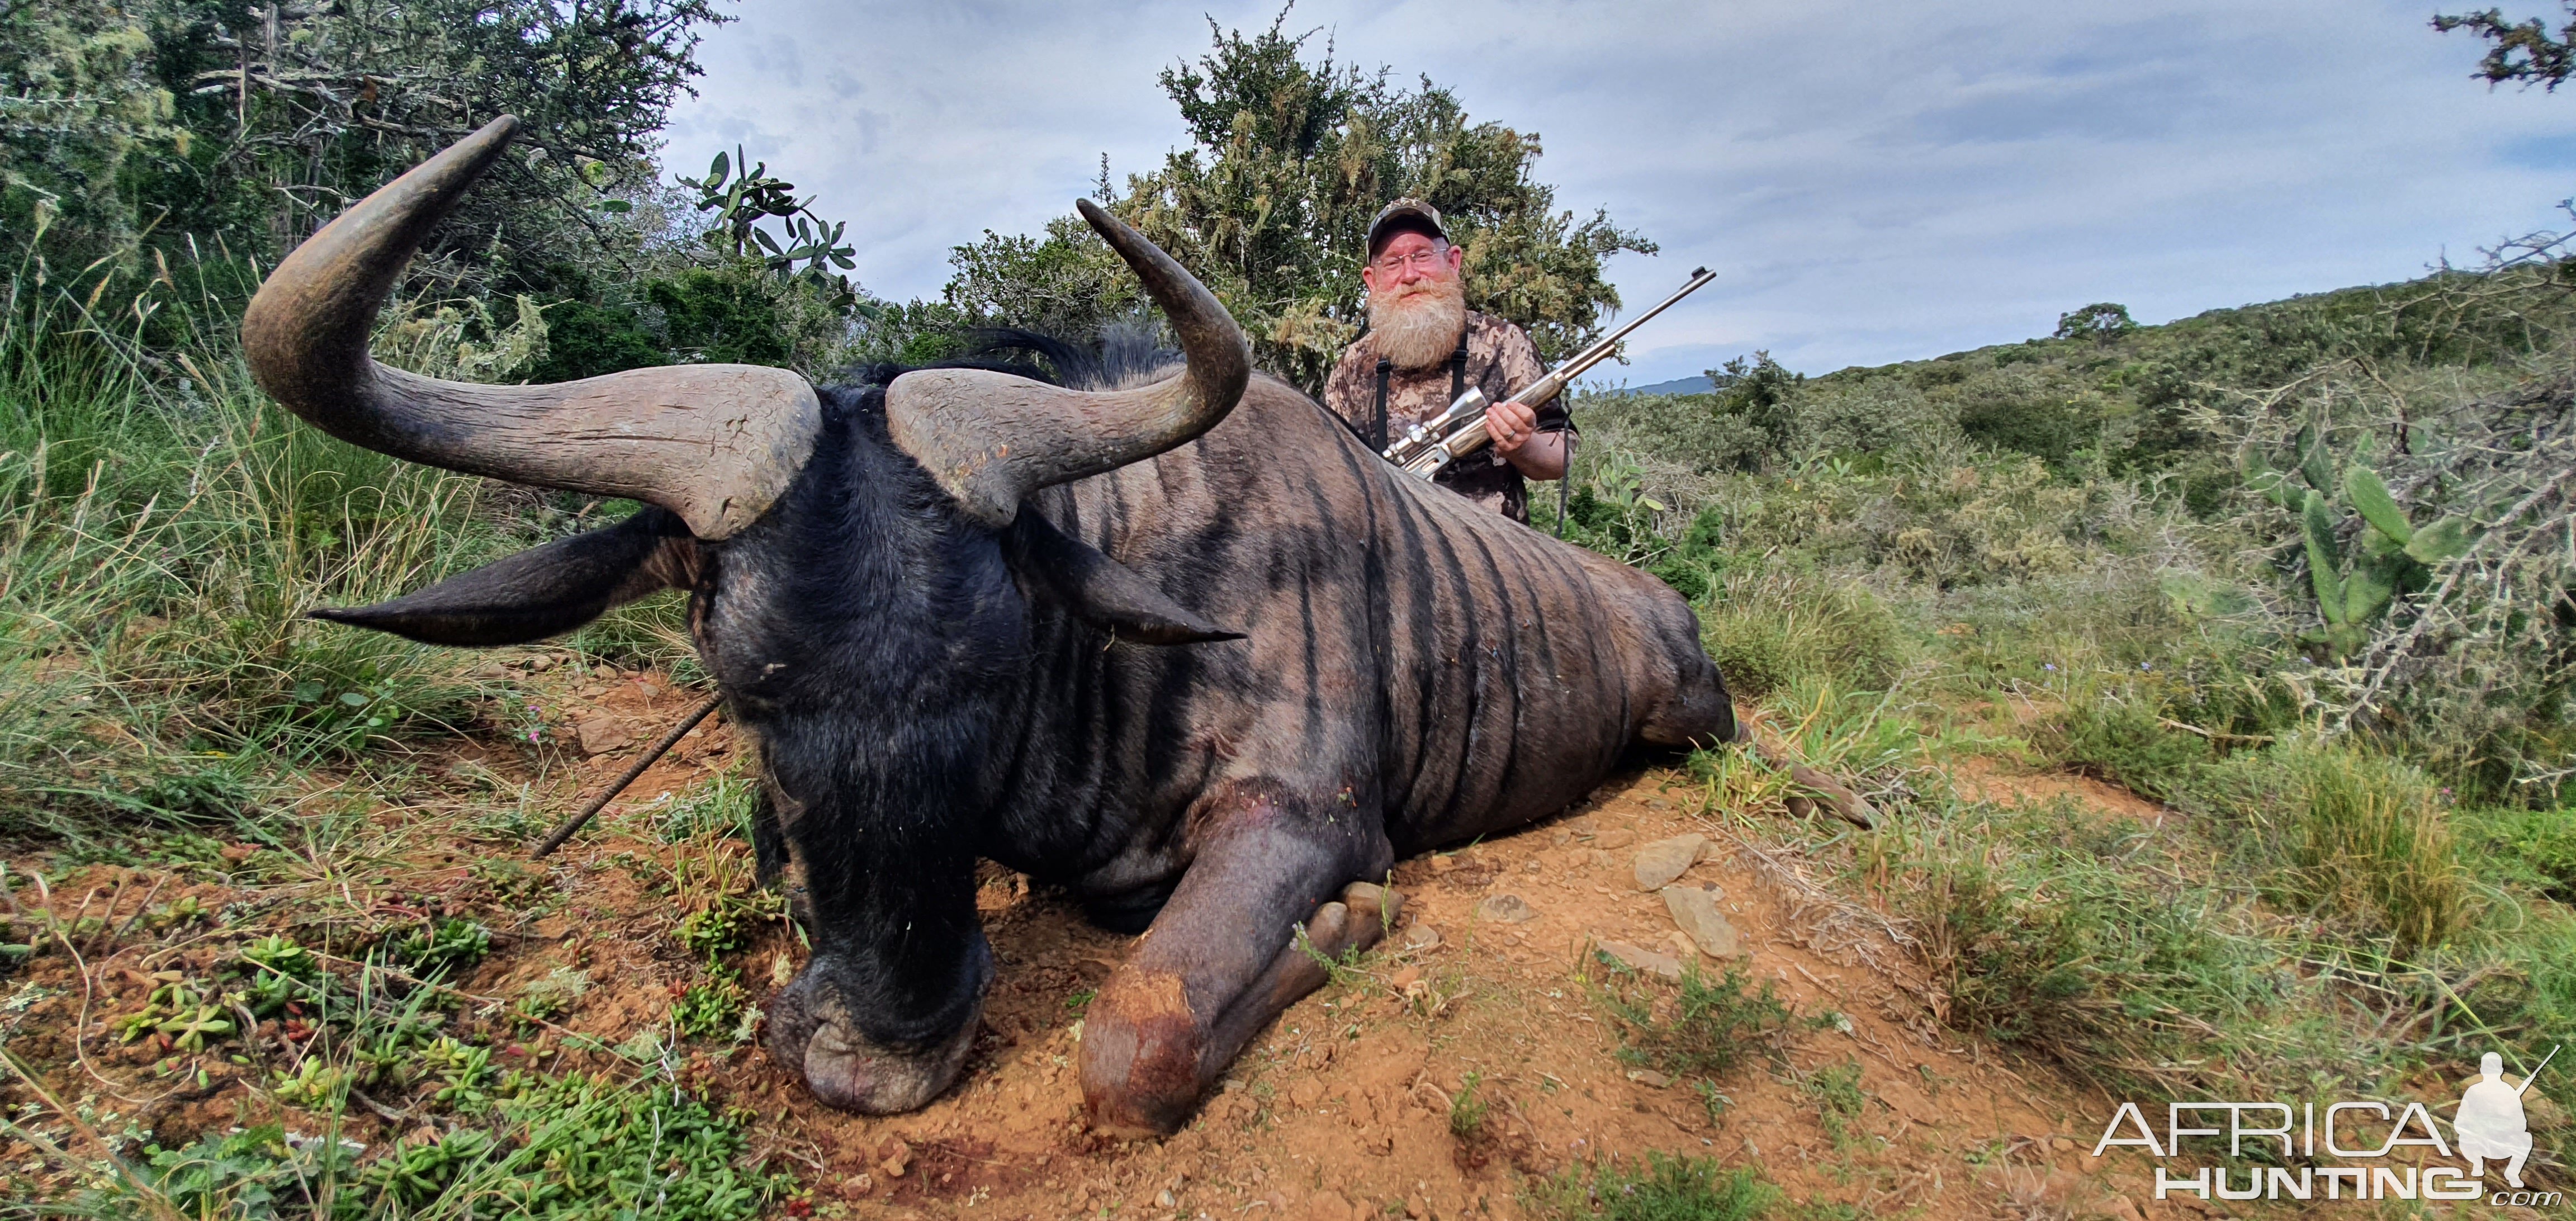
column 1609, row 343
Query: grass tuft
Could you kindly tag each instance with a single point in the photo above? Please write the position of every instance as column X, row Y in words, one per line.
column 1663, row 1188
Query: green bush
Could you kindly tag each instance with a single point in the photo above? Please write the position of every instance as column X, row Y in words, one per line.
column 2371, row 838
column 1769, row 630
column 2122, row 739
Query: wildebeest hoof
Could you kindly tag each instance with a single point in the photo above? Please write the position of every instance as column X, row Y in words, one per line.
column 810, row 1032
column 1375, row 910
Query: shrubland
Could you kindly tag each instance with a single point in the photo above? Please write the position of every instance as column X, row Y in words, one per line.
column 2297, row 573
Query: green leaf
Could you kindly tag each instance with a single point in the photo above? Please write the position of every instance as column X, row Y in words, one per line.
column 2260, row 476
column 2315, row 465
column 353, row 699
column 2325, row 559
column 2370, row 498
column 2441, row 542
column 716, row 171
column 2366, row 593
column 615, row 205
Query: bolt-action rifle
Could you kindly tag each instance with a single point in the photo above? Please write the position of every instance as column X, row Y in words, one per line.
column 1433, row 444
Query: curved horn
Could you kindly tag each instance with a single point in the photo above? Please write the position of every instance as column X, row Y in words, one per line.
column 715, row 444
column 991, row 438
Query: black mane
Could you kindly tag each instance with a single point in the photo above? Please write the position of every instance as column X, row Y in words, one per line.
column 1125, row 353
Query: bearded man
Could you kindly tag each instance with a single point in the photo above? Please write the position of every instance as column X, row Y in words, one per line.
column 1424, row 347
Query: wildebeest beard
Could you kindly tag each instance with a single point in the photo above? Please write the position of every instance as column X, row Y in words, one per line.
column 1417, row 325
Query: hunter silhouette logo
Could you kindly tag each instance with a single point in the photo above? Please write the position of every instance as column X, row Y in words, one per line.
column 2489, row 1126
column 2490, row 1122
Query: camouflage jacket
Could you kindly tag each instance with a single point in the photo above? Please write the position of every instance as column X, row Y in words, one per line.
column 1500, row 360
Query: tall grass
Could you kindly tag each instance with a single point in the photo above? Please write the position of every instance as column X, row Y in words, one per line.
column 2371, row 840
column 163, row 527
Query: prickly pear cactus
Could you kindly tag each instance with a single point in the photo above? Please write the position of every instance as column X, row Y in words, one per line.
column 2387, row 556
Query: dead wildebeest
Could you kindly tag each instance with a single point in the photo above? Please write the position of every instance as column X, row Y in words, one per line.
column 970, row 614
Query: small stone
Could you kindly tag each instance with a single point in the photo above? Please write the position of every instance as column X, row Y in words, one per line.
column 1442, row 863
column 898, row 1161
column 1421, row 937
column 2061, row 1144
column 1405, row 978
column 1662, row 861
column 490, row 669
column 1650, row 1078
column 858, row 1185
column 592, row 691
column 1166, row 1199
column 1639, row 958
column 1306, row 1093
column 1619, row 838
column 1694, row 910
column 602, row 734
column 1506, row 909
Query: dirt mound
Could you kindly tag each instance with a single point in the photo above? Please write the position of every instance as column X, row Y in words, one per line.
column 1435, row 1078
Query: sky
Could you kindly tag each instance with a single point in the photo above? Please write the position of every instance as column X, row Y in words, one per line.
column 1874, row 182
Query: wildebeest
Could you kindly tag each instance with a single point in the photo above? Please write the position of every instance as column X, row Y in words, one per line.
column 1180, row 645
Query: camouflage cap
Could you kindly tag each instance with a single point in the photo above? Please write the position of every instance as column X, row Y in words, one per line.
column 1404, row 216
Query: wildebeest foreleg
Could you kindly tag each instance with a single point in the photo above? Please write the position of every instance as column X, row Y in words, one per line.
column 1224, row 956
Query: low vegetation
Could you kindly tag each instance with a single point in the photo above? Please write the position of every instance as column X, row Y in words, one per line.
column 2297, row 574
column 2279, row 570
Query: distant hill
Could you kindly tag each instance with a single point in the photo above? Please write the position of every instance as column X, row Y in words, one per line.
column 1685, row 385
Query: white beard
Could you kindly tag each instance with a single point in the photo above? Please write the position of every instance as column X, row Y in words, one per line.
column 1419, row 328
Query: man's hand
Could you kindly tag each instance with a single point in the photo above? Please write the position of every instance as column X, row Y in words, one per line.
column 1510, row 426
column 1513, row 430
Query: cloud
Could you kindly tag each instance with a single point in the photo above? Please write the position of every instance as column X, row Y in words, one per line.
column 1875, row 181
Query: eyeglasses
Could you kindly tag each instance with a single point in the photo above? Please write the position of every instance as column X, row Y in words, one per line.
column 1425, row 259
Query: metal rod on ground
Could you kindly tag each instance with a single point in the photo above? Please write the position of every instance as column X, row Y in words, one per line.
column 651, row 753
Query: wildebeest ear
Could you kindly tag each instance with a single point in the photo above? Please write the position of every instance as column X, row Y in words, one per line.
column 1099, row 590
column 541, row 592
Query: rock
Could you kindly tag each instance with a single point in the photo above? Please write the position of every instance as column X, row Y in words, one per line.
column 898, row 1161
column 490, row 669
column 1165, row 1199
column 1619, row 838
column 1679, row 945
column 1506, row 909
column 602, row 734
column 1694, row 911
column 1306, row 1093
column 1662, row 861
column 1405, row 978
column 1639, row 958
column 858, row 1185
column 1421, row 937
column 2061, row 1144
column 1441, row 863
column 1650, row 1078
